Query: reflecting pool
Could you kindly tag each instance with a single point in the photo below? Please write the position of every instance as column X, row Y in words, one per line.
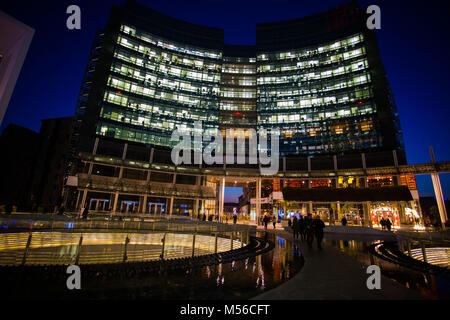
column 237, row 280
column 434, row 287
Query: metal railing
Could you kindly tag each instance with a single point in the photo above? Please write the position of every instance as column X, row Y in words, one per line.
column 53, row 242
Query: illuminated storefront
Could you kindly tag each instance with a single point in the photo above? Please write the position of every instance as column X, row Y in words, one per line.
column 385, row 211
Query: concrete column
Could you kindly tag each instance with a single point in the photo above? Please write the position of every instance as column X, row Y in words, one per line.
column 83, row 200
column 171, row 208
column 366, row 206
column 439, row 198
column 144, row 205
column 116, row 200
column 258, row 199
column 94, row 149
column 151, row 155
column 221, row 199
column 195, row 213
column 124, row 153
column 438, row 192
column 394, row 155
column 396, row 180
column 78, row 200
column 338, row 207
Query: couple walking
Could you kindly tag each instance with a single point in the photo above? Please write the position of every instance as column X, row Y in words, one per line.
column 308, row 228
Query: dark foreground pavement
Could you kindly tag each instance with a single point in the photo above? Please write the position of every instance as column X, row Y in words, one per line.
column 332, row 275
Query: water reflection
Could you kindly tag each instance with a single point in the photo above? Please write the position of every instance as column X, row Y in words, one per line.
column 237, row 280
column 434, row 287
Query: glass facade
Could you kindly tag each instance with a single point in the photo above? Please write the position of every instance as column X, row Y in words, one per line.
column 323, row 98
column 319, row 97
column 156, row 86
column 238, row 94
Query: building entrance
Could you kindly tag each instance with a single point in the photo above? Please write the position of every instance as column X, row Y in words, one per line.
column 99, row 205
column 129, row 206
column 155, row 208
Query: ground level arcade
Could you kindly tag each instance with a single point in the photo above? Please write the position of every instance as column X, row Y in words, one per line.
column 117, row 185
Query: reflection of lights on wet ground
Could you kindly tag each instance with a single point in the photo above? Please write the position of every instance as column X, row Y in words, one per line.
column 436, row 256
column 281, row 242
column 262, row 279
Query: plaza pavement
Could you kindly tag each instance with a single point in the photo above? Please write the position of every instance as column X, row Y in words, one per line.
column 332, row 275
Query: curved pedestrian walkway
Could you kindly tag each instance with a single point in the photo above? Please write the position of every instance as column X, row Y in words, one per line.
column 332, row 275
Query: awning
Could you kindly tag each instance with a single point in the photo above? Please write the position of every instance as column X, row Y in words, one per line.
column 400, row 193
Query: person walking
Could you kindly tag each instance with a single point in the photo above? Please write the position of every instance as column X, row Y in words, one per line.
column 274, row 222
column 383, row 223
column 309, row 229
column 344, row 221
column 265, row 220
column 388, row 224
column 295, row 227
column 318, row 231
column 301, row 227
column 235, row 218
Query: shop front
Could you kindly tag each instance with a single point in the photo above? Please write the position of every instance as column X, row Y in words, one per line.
column 386, row 211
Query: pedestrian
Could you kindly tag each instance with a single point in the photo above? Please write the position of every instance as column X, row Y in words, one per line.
column 383, row 223
column 301, row 227
column 85, row 213
column 235, row 218
column 344, row 221
column 318, row 231
column 388, row 224
column 309, row 230
column 265, row 221
column 295, row 227
column 274, row 222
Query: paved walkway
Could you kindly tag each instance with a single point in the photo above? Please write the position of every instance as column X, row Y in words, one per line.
column 332, row 275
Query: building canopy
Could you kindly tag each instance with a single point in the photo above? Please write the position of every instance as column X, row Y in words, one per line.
column 400, row 193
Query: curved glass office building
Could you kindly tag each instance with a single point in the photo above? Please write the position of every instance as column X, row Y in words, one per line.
column 318, row 81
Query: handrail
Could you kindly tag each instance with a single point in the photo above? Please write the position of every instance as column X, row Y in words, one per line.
column 185, row 239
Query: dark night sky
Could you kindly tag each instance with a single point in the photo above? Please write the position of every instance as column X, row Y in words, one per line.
column 413, row 42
